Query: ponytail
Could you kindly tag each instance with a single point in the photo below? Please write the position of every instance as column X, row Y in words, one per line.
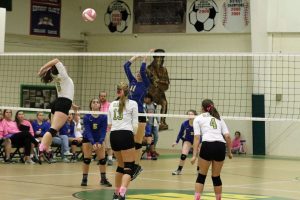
column 208, row 106
column 122, row 102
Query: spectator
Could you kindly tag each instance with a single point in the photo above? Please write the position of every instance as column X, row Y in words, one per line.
column 152, row 123
column 25, row 126
column 104, row 105
column 238, row 145
column 17, row 138
column 67, row 131
column 39, row 125
column 78, row 135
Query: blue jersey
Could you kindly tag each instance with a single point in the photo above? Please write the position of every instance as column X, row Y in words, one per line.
column 138, row 90
column 95, row 128
column 186, row 132
column 68, row 129
column 42, row 128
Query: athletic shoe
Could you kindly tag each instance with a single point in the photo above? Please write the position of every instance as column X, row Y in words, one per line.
column 65, row 160
column 109, row 163
column 115, row 197
column 29, row 162
column 84, row 182
column 137, row 170
column 68, row 153
column 176, row 172
column 105, row 182
column 121, row 198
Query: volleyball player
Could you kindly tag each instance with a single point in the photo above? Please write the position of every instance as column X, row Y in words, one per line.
column 95, row 126
column 215, row 135
column 55, row 71
column 123, row 123
column 186, row 134
column 138, row 89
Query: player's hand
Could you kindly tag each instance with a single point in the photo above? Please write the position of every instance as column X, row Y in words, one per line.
column 174, row 144
column 75, row 107
column 229, row 154
column 193, row 160
column 96, row 146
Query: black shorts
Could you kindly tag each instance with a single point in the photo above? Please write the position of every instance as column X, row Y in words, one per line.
column 61, row 104
column 213, row 151
column 121, row 140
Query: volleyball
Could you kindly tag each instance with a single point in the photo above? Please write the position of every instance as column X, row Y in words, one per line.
column 89, row 15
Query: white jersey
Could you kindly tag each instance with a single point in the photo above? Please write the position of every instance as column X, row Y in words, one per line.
column 78, row 130
column 127, row 120
column 211, row 128
column 64, row 84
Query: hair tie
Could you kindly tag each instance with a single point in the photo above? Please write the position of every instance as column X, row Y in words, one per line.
column 208, row 108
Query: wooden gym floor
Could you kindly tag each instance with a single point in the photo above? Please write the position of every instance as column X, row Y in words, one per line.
column 244, row 177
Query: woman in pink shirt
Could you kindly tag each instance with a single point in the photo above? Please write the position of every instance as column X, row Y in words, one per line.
column 236, row 142
column 18, row 137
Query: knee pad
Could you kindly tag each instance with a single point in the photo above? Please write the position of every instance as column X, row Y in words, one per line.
column 120, row 170
column 183, row 157
column 74, row 142
column 138, row 146
column 102, row 161
column 201, row 178
column 52, row 131
column 87, row 161
column 129, row 168
column 216, row 180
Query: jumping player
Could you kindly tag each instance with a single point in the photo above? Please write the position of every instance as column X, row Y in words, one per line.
column 55, row 71
column 138, row 89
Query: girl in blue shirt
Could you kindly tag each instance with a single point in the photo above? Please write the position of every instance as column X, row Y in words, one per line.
column 40, row 126
column 93, row 136
column 186, row 134
column 138, row 89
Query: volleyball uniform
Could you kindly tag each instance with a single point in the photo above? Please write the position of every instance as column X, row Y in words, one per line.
column 65, row 90
column 94, row 128
column 138, row 90
column 122, row 125
column 40, row 128
column 213, row 143
column 186, row 132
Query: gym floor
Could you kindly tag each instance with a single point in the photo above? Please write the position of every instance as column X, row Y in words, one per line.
column 244, row 177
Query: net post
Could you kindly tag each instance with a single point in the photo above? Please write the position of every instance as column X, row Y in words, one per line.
column 258, row 127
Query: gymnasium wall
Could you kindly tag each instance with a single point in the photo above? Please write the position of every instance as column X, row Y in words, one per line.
column 76, row 36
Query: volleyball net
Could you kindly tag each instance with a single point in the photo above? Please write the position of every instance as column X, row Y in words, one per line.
column 229, row 79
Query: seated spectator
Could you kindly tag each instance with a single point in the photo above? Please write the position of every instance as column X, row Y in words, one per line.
column 68, row 130
column 20, row 133
column 25, row 126
column 40, row 125
column 77, row 139
column 238, row 145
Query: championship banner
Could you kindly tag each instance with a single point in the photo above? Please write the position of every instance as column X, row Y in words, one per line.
column 236, row 15
column 45, row 17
